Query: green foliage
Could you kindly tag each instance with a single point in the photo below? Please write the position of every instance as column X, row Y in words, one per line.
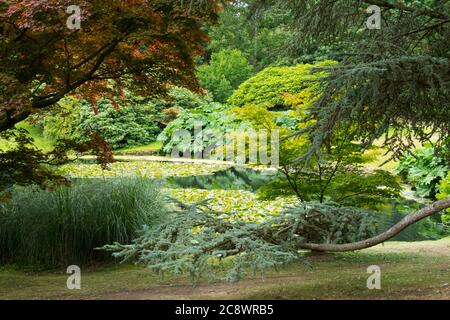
column 119, row 52
column 52, row 229
column 391, row 82
column 130, row 125
column 224, row 73
column 262, row 34
column 60, row 123
column 22, row 163
column 335, row 173
column 424, row 169
column 36, row 133
column 125, row 126
column 318, row 223
column 336, row 176
column 430, row 228
column 183, row 98
column 444, row 193
column 270, row 86
column 200, row 242
column 212, row 119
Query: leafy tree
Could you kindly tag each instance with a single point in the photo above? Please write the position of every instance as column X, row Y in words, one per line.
column 270, row 86
column 224, row 73
column 142, row 46
column 261, row 34
column 59, row 122
column 336, row 175
column 333, row 175
column 392, row 82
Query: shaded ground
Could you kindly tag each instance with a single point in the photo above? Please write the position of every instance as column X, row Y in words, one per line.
column 419, row 270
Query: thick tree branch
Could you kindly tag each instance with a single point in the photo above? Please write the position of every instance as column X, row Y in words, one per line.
column 392, row 232
column 9, row 119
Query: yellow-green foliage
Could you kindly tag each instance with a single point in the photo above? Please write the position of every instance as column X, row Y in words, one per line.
column 444, row 193
column 269, row 87
column 278, row 97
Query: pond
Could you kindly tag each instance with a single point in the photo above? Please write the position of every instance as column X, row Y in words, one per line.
column 179, row 175
column 234, row 178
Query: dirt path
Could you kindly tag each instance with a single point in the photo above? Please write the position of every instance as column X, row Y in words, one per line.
column 232, row 290
column 209, row 291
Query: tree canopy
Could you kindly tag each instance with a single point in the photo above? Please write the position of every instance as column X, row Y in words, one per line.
column 141, row 45
column 393, row 81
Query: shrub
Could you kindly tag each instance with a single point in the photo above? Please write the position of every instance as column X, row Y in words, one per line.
column 225, row 72
column 125, row 126
column 213, row 120
column 183, row 98
column 424, row 169
column 444, row 193
column 178, row 100
column 52, row 229
column 270, row 86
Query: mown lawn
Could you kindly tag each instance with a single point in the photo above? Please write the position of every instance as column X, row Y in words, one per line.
column 151, row 148
column 40, row 141
column 419, row 270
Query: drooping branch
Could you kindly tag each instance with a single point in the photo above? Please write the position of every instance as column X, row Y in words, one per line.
column 392, row 232
column 403, row 7
column 172, row 246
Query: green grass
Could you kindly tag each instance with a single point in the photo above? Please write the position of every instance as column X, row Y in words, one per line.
column 418, row 270
column 50, row 229
column 40, row 141
column 151, row 148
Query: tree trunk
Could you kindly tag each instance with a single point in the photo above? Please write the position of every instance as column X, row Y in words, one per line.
column 396, row 229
